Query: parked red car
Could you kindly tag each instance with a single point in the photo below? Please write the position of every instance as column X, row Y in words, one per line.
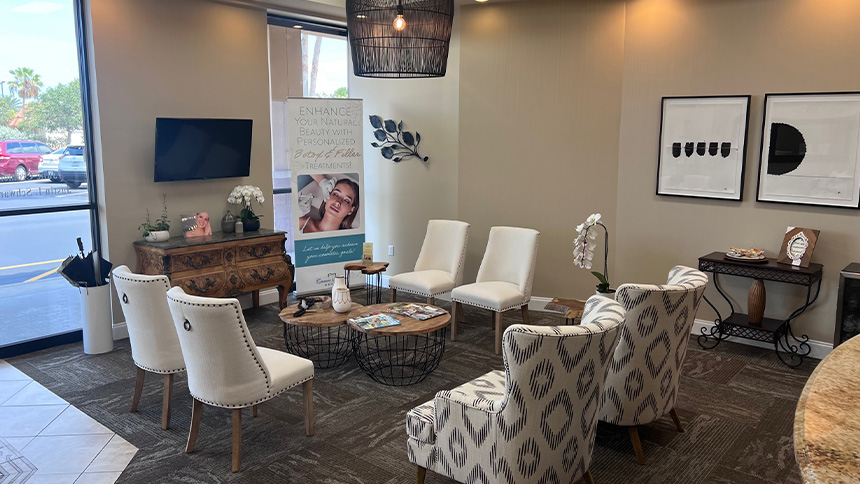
column 20, row 158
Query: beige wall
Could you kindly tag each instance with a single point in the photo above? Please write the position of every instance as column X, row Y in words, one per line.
column 540, row 103
column 401, row 197
column 163, row 58
column 719, row 47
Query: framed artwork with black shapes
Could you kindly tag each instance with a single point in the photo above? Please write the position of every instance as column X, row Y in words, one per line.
column 703, row 146
column 810, row 149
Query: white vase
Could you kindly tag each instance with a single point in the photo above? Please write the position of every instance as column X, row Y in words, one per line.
column 610, row 294
column 157, row 236
column 340, row 299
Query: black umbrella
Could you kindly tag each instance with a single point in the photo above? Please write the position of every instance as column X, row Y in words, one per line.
column 81, row 270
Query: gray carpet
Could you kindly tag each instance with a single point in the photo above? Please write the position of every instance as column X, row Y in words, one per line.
column 737, row 403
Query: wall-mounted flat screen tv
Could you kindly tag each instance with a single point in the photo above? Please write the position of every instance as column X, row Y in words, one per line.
column 196, row 149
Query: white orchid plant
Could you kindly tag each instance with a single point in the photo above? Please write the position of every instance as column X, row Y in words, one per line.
column 244, row 195
column 583, row 251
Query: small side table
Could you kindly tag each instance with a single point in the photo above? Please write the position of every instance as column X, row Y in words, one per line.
column 572, row 308
column 320, row 335
column 400, row 355
column 369, row 270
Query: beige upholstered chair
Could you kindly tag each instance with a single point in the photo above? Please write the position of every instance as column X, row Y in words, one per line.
column 645, row 372
column 439, row 267
column 535, row 421
column 154, row 345
column 226, row 369
column 504, row 279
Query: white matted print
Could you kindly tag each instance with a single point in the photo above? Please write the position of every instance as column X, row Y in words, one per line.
column 810, row 150
column 703, row 146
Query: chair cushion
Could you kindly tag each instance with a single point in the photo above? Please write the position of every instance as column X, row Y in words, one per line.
column 286, row 370
column 495, row 295
column 488, row 389
column 425, row 283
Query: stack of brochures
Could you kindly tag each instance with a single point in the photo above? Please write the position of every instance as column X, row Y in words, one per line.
column 416, row 311
column 373, row 321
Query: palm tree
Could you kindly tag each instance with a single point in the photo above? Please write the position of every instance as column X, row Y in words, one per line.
column 26, row 82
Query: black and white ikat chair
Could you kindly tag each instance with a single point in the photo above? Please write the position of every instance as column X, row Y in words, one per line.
column 643, row 380
column 226, row 369
column 533, row 422
column 154, row 345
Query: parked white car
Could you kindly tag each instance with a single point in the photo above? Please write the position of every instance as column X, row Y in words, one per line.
column 73, row 168
column 49, row 167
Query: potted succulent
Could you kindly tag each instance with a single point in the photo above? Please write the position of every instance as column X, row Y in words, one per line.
column 243, row 195
column 157, row 231
column 583, row 252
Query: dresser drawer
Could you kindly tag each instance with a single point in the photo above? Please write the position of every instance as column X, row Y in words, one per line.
column 207, row 284
column 268, row 274
column 261, row 250
column 191, row 261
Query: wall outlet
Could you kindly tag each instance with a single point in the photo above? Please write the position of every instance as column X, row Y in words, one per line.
column 390, row 250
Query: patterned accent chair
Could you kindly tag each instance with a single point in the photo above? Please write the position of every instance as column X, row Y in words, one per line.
column 439, row 267
column 504, row 279
column 645, row 372
column 533, row 422
column 226, row 369
column 154, row 344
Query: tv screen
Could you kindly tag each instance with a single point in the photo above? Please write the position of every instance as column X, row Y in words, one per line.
column 195, row 149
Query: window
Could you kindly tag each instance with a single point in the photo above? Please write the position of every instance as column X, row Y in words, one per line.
column 43, row 109
column 310, row 61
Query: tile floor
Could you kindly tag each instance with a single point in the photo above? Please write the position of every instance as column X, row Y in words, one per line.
column 43, row 439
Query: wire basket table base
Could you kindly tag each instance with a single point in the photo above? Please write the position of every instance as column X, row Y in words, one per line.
column 327, row 347
column 399, row 360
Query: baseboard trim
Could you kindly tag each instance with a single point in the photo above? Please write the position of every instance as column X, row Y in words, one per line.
column 120, row 331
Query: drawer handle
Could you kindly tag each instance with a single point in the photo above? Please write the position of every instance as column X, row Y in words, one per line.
column 263, row 278
column 199, row 262
column 264, row 251
column 207, row 285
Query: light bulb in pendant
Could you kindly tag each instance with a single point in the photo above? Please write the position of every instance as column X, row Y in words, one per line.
column 399, row 23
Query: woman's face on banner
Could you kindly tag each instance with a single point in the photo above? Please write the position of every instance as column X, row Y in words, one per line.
column 341, row 201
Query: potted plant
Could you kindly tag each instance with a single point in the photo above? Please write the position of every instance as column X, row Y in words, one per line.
column 243, row 195
column 157, row 231
column 583, row 252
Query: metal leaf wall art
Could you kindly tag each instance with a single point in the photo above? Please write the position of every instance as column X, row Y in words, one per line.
column 395, row 144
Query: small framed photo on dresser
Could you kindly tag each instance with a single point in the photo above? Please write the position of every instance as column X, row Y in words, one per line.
column 703, row 146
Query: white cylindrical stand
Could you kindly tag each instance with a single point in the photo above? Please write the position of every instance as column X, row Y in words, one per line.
column 95, row 312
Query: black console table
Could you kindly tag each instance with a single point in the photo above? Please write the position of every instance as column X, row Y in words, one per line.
column 790, row 349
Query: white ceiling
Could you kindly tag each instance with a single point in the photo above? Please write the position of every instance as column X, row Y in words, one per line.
column 331, row 9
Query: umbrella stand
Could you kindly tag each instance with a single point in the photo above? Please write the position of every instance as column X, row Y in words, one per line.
column 96, row 318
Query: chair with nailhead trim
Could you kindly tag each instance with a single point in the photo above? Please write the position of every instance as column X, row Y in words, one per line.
column 154, row 345
column 504, row 279
column 439, row 267
column 226, row 369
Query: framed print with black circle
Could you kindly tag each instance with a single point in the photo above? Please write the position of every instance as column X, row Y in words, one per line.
column 703, row 146
column 810, row 150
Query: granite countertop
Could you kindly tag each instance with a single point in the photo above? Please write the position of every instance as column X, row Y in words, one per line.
column 215, row 238
column 827, row 420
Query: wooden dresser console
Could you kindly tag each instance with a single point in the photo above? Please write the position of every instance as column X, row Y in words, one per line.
column 221, row 264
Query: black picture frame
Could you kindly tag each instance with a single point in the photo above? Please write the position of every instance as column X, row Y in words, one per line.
column 795, row 139
column 672, row 179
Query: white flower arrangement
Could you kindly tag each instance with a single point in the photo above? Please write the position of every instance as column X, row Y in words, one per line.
column 583, row 251
column 244, row 195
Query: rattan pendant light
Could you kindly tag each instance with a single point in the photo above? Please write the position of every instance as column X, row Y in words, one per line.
column 399, row 38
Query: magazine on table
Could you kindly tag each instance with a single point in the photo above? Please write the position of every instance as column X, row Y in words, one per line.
column 373, row 321
column 416, row 311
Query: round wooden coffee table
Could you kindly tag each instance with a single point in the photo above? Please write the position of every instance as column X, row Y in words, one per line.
column 404, row 354
column 320, row 335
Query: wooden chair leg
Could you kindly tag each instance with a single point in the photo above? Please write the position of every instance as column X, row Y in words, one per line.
column 419, row 477
column 677, row 420
column 497, row 322
column 308, row 390
column 455, row 313
column 165, row 403
column 237, row 439
column 587, row 477
column 138, row 389
column 461, row 312
column 393, row 295
column 525, row 310
column 254, row 411
column 431, row 300
column 196, row 411
column 637, row 444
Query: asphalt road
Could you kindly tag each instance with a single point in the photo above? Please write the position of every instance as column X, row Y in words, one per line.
column 33, row 245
